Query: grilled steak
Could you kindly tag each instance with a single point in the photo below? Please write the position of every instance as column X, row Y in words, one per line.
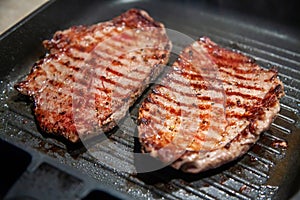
column 92, row 74
column 209, row 109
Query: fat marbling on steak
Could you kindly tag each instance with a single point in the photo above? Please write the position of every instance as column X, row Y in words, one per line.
column 209, row 109
column 92, row 74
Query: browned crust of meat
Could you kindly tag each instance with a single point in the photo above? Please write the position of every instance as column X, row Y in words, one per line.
column 252, row 102
column 65, row 62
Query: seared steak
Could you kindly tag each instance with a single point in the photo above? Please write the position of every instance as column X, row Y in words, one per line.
column 92, row 74
column 209, row 109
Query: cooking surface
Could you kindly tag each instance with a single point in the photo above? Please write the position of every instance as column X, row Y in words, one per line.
column 12, row 11
column 268, row 170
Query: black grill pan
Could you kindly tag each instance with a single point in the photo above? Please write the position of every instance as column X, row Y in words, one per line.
column 37, row 166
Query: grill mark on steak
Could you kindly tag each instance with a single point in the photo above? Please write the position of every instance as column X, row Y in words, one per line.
column 245, row 96
column 115, row 64
column 240, row 71
column 201, row 77
column 119, row 74
column 250, row 96
column 176, row 102
column 235, row 75
column 92, row 74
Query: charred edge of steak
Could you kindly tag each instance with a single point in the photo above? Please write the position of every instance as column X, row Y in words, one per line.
column 135, row 18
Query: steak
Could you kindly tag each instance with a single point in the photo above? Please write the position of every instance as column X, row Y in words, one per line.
column 92, row 74
column 209, row 109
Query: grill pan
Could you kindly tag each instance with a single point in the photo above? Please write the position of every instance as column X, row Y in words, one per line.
column 38, row 166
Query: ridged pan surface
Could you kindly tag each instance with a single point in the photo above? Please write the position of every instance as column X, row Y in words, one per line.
column 270, row 170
